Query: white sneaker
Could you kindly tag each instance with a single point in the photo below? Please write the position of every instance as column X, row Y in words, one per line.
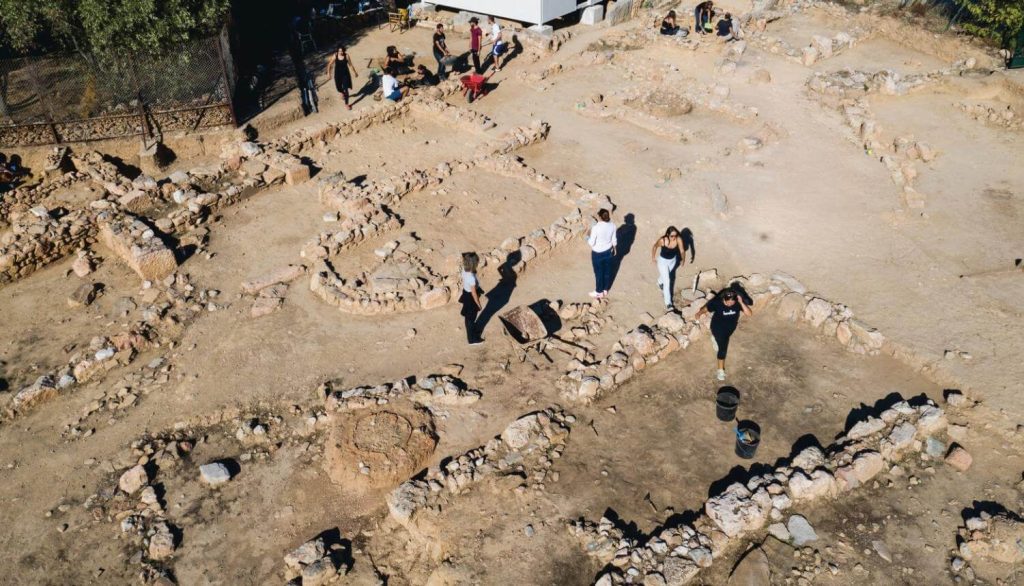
column 595, row 294
column 721, row 374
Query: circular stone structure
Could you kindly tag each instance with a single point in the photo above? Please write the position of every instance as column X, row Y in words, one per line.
column 379, row 446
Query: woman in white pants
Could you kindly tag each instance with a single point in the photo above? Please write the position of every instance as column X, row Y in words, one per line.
column 667, row 253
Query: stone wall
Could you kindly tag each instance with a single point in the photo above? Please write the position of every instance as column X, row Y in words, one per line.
column 679, row 550
column 525, row 449
column 37, row 238
column 363, row 212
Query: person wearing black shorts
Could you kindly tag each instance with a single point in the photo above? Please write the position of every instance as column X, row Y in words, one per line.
column 725, row 310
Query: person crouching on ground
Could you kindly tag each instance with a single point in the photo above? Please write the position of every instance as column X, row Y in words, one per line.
column 725, row 28
column 670, row 28
column 666, row 254
column 702, row 14
column 725, row 310
column 426, row 78
column 389, row 86
column 602, row 241
column 470, row 298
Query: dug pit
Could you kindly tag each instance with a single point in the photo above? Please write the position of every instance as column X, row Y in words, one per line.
column 379, row 447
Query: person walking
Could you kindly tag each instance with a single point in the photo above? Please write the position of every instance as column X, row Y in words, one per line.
column 668, row 252
column 602, row 243
column 341, row 67
column 470, row 298
column 475, row 36
column 725, row 310
column 441, row 52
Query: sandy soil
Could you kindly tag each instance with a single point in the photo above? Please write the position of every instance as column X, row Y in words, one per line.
column 809, row 202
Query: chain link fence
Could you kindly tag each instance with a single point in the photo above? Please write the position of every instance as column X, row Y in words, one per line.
column 71, row 98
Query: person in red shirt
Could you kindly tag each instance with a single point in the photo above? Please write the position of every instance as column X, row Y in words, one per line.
column 475, row 34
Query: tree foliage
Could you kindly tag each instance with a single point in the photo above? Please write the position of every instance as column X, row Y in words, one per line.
column 107, row 28
column 998, row 20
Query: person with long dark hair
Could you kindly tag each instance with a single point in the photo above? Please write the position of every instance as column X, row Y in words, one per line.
column 342, row 69
column 470, row 298
column 668, row 252
column 725, row 310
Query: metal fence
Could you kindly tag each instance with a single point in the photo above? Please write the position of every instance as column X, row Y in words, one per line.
column 71, row 98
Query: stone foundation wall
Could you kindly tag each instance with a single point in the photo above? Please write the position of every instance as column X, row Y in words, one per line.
column 525, row 449
column 677, row 553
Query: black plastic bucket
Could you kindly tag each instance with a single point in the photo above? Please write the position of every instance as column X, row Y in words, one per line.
column 726, row 402
column 748, row 437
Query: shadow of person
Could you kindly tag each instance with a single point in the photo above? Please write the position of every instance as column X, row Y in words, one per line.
column 687, row 235
column 499, row 296
column 625, row 235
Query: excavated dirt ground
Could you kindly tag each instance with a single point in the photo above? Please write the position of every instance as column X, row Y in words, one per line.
column 810, row 202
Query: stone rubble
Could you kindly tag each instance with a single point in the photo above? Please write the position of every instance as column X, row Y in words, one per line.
column 525, row 449
column 432, row 390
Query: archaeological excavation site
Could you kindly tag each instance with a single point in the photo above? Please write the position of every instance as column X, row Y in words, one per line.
column 477, row 334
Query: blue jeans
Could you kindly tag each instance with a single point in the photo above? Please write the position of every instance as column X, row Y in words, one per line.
column 602, row 262
column 394, row 96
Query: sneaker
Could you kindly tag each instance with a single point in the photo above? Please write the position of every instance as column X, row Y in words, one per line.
column 721, row 374
column 477, row 343
column 595, row 294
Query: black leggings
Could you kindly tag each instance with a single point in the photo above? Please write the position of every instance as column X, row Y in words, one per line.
column 722, row 339
column 469, row 314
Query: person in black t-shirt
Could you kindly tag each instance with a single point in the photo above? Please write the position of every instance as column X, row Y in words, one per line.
column 725, row 310
column 441, row 52
column 426, row 78
column 725, row 28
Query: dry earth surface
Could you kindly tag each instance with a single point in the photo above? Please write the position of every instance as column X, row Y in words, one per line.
column 248, row 367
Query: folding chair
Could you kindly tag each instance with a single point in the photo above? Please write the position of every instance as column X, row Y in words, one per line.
column 399, row 20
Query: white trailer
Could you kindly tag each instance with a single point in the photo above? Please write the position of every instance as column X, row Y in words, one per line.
column 529, row 11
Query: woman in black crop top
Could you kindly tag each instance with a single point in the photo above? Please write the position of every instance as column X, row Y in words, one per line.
column 667, row 253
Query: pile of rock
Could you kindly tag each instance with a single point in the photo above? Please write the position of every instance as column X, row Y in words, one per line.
column 440, row 390
column 313, row 564
column 122, row 395
column 641, row 347
column 998, row 537
column 139, row 246
column 515, row 139
column 143, row 521
column 37, row 238
column 525, row 449
column 678, row 552
column 102, row 355
column 1004, row 117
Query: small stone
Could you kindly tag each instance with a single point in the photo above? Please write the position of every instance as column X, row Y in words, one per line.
column 882, row 550
column 959, row 458
column 779, row 531
column 214, row 474
column 800, row 530
column 529, row 530
column 133, row 479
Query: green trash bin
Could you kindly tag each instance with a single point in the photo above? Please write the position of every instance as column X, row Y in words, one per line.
column 1017, row 56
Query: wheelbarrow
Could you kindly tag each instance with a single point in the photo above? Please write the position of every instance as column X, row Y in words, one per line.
column 474, row 86
column 528, row 330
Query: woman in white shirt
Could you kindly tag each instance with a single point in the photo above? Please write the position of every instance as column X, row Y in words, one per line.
column 602, row 243
column 470, row 298
column 389, row 86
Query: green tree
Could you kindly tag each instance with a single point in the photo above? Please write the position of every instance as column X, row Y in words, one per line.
column 107, row 28
column 998, row 20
